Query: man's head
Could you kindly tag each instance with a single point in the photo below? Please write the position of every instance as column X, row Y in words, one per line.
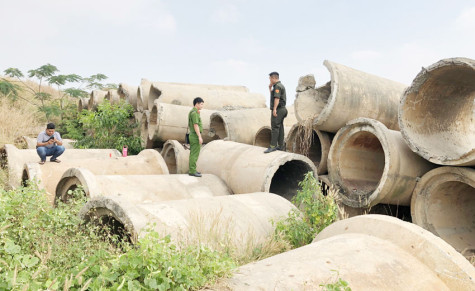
column 274, row 77
column 198, row 102
column 50, row 128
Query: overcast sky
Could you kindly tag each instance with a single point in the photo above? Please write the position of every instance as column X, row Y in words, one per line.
column 235, row 42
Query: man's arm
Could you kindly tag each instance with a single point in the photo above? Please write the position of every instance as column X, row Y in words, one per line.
column 196, row 127
column 59, row 140
column 276, row 103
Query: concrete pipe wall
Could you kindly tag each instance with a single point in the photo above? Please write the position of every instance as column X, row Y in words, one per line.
column 15, row 159
column 129, row 94
column 145, row 120
column 243, row 220
column 215, row 96
column 113, row 96
column 139, row 188
column 264, row 135
column 245, row 168
column 349, row 95
column 83, row 103
column 370, row 252
column 168, row 121
column 443, row 203
column 47, row 176
column 371, row 164
column 176, row 156
column 32, row 142
column 96, row 98
column 436, row 113
column 319, row 147
column 142, row 94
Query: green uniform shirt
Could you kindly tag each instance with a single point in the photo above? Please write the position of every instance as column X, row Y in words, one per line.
column 194, row 118
column 278, row 91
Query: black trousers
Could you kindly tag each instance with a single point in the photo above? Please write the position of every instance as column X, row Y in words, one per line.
column 277, row 127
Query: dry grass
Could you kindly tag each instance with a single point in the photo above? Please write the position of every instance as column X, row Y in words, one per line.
column 304, row 137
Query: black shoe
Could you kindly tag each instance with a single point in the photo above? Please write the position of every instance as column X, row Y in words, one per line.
column 198, row 173
column 195, row 174
column 270, row 150
column 281, row 148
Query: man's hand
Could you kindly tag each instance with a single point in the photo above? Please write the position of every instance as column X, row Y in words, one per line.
column 274, row 112
column 51, row 141
column 200, row 139
column 270, row 86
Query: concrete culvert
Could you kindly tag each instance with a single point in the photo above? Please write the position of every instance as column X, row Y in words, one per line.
column 129, row 94
column 246, row 168
column 143, row 91
column 369, row 252
column 83, row 103
column 444, row 203
column 96, row 98
column 176, row 156
column 370, row 164
column 436, row 113
column 145, row 120
column 112, row 96
column 349, row 95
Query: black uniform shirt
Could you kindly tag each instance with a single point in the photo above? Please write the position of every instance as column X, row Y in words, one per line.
column 278, row 91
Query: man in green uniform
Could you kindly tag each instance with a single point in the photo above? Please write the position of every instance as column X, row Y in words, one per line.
column 279, row 112
column 196, row 128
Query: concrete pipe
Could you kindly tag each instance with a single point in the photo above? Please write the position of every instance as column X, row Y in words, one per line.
column 96, row 98
column 371, row 164
column 176, row 156
column 129, row 94
column 15, row 159
column 47, row 176
column 437, row 113
column 142, row 94
column 263, row 136
column 443, row 203
column 216, row 97
column 370, row 252
column 349, row 95
column 318, row 147
column 242, row 221
column 83, row 104
column 140, row 188
column 168, row 121
column 112, row 96
column 145, row 119
column 245, row 168
column 31, row 142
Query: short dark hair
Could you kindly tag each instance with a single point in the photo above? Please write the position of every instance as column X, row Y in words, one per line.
column 197, row 100
column 274, row 74
column 50, row 126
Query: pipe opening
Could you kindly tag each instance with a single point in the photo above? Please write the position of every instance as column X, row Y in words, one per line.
column 71, row 183
column 170, row 159
column 315, row 149
column 107, row 225
column 218, row 127
column 322, row 96
column 285, row 181
column 153, row 95
column 450, row 210
column 361, row 163
column 152, row 124
column 263, row 137
column 25, row 177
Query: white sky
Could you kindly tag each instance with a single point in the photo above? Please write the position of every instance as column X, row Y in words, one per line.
column 235, row 42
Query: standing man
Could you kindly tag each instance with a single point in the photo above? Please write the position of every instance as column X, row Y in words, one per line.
column 196, row 128
column 279, row 112
column 49, row 143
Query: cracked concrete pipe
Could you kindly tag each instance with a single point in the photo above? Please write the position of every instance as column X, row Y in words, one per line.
column 113, row 96
column 318, row 148
column 142, row 95
column 216, row 97
column 96, row 98
column 350, row 94
column 443, row 203
column 176, row 156
column 140, row 188
column 369, row 252
column 83, row 104
column 371, row 164
column 242, row 221
column 31, row 142
column 168, row 121
column 47, row 176
column 263, row 136
column 129, row 94
column 245, row 168
column 437, row 113
column 15, row 159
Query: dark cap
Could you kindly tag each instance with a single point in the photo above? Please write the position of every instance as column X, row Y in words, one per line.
column 274, row 74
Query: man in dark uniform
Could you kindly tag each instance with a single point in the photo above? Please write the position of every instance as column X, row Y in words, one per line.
column 279, row 112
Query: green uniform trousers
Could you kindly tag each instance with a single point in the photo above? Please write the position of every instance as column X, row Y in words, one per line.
column 195, row 148
column 277, row 127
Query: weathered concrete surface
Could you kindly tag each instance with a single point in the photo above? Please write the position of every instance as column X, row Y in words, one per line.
column 216, row 97
column 349, row 95
column 168, row 121
column 319, row 148
column 176, row 157
column 129, row 94
column 47, row 176
column 83, row 103
column 142, row 95
column 15, row 159
column 437, row 113
column 240, row 220
column 96, row 98
column 264, row 135
column 144, row 121
column 31, row 142
column 306, row 82
column 245, row 168
column 443, row 203
column 371, row 164
column 140, row 188
column 113, row 96
column 370, row 252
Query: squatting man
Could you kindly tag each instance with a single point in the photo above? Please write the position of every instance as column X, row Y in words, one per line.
column 49, row 143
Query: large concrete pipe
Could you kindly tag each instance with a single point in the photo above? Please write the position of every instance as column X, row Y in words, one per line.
column 140, row 188
column 215, row 96
column 112, row 96
column 371, row 164
column 443, row 203
column 242, row 221
column 176, row 156
column 142, row 94
column 47, row 176
column 437, row 113
column 145, row 119
column 349, row 95
column 245, row 168
column 32, row 142
column 168, row 121
column 370, row 252
column 264, row 135
column 83, row 103
column 96, row 98
column 15, row 159
column 129, row 94
column 317, row 148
